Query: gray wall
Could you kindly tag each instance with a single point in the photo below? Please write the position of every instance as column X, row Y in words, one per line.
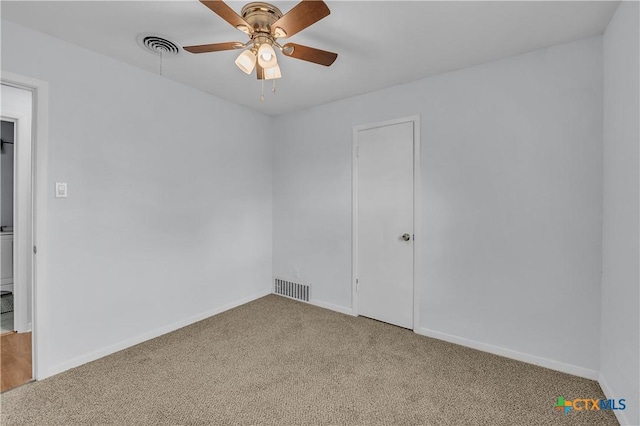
column 168, row 217
column 620, row 352
column 511, row 201
column 6, row 165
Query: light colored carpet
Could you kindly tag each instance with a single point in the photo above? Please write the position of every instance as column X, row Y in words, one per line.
column 280, row 362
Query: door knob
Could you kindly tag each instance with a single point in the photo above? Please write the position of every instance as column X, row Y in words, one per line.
column 406, row 237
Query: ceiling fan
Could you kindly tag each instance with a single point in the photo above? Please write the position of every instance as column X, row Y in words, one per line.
column 265, row 24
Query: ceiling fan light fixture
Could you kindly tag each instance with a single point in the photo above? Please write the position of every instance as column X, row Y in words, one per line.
column 264, row 24
column 267, row 56
column 246, row 61
column 272, row 73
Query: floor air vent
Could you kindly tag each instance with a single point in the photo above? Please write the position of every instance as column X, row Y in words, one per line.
column 291, row 289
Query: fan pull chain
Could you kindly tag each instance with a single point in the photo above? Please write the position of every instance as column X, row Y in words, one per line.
column 273, row 89
column 160, row 62
column 262, row 93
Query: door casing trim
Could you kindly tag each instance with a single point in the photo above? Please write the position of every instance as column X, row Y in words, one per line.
column 39, row 147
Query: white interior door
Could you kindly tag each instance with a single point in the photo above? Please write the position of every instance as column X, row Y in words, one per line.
column 385, row 172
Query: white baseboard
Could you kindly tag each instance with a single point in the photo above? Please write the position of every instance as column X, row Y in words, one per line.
column 320, row 303
column 609, row 394
column 331, row 307
column 100, row 353
column 508, row 353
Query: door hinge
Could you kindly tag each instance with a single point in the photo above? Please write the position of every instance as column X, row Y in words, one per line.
column 357, row 285
column 35, row 249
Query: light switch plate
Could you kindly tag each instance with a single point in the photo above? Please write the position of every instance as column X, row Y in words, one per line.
column 61, row 190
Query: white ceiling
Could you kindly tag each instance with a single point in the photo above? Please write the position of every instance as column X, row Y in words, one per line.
column 380, row 43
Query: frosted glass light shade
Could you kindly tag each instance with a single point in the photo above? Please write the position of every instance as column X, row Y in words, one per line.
column 267, row 56
column 272, row 73
column 246, row 61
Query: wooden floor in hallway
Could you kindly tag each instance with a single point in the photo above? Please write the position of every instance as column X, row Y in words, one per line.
column 15, row 360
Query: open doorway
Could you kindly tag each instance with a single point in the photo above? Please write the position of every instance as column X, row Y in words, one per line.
column 16, row 228
column 7, row 134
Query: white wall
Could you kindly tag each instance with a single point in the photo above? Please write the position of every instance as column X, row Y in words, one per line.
column 511, row 202
column 620, row 352
column 169, row 212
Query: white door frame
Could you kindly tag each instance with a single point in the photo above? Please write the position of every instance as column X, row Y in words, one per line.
column 415, row 119
column 39, row 144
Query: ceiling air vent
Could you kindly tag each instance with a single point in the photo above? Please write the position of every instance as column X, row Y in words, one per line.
column 158, row 45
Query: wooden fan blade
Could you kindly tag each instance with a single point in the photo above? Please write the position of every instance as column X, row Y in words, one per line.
column 304, row 14
column 221, row 9
column 309, row 54
column 216, row 47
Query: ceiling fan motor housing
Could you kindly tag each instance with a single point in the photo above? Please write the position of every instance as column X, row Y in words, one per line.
column 261, row 16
